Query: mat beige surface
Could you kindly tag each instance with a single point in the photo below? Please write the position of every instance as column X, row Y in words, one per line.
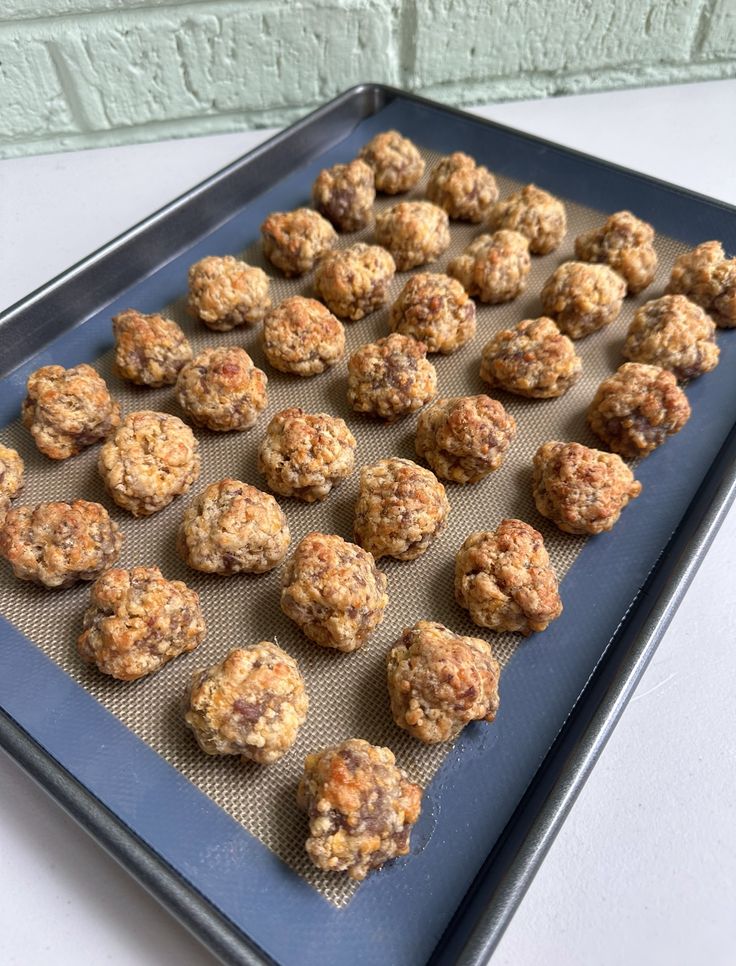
column 347, row 691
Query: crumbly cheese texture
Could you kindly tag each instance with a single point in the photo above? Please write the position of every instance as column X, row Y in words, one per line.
column 149, row 349
column 333, row 591
column 137, row 621
column 503, row 577
column 439, row 681
column 251, row 704
column 464, row 438
column 396, row 162
column 11, row 478
column 624, row 242
column 304, row 455
column 673, row 333
column 581, row 490
column 225, row 292
column 583, row 297
column 436, row 310
column 464, row 189
column 635, row 410
column 151, row 459
column 360, row 806
column 221, row 390
column 353, row 282
column 302, row 337
column 293, row 241
column 537, row 214
column 707, row 278
column 415, row 232
column 345, row 193
column 67, row 410
column 57, row 544
column 493, row 268
column 401, row 509
column 391, row 377
column 231, row 528
column 533, row 359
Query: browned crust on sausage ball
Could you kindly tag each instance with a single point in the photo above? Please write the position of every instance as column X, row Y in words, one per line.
column 504, row 578
column 536, row 213
column 580, row 489
column 625, row 243
column 11, row 478
column 333, row 591
column 391, row 377
column 464, row 189
column 137, row 621
column 221, row 389
column 396, row 162
column 436, row 310
column 582, row 297
column 354, row 281
column 637, row 408
column 415, row 232
column 294, row 240
column 401, row 509
column 360, row 807
column 302, row 337
column 345, row 193
column 149, row 349
column 225, row 292
column 533, row 359
column 674, row 333
column 707, row 278
column 464, row 438
column 57, row 544
column 67, row 410
column 493, row 268
column 252, row 704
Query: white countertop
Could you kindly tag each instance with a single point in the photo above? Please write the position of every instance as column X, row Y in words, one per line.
column 644, row 869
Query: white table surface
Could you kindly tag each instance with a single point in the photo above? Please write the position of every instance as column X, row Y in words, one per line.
column 644, row 870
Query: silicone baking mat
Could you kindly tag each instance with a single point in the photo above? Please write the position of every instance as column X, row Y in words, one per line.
column 347, row 692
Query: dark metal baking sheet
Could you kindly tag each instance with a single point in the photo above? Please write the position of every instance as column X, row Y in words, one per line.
column 496, row 818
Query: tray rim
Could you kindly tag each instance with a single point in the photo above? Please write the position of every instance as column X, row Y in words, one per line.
column 486, row 926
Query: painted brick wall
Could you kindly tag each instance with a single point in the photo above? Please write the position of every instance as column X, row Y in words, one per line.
column 77, row 73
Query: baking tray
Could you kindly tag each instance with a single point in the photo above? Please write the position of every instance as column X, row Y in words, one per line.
column 493, row 818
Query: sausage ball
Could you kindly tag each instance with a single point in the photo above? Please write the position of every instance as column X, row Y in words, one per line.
column 391, row 377
column 436, row 310
column 221, row 389
column 439, row 681
column 637, row 408
column 345, row 193
column 354, row 281
column 232, row 528
column 294, row 240
column 625, row 243
column 360, row 807
column 58, row 544
column 149, row 349
column 396, row 162
column 225, row 292
column 137, row 620
column 582, row 490
column 582, row 298
column 401, row 508
column 251, row 704
column 333, row 590
column 304, row 455
column 707, row 278
column 465, row 190
column 674, row 333
column 536, row 214
column 11, row 478
column 415, row 232
column 493, row 268
column 465, row 438
column 533, row 359
column 67, row 410
column 151, row 459
column 504, row 578
column 302, row 337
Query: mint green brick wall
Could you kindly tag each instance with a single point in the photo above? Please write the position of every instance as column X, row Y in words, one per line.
column 77, row 73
